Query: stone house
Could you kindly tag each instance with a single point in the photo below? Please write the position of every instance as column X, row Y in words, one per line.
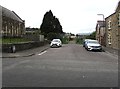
column 100, row 32
column 32, row 30
column 12, row 24
column 113, row 29
column 118, row 21
column 0, row 21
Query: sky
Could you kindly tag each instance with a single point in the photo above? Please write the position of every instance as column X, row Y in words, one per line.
column 75, row 16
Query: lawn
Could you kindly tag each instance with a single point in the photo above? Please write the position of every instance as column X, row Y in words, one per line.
column 12, row 40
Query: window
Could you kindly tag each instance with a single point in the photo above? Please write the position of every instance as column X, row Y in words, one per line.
column 117, row 34
column 109, row 24
column 109, row 38
column 119, row 19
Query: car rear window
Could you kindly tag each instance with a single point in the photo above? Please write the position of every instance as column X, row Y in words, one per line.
column 56, row 40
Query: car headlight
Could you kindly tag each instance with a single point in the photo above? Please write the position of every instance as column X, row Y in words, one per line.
column 58, row 44
column 89, row 46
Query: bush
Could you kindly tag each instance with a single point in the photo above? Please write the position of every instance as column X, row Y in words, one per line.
column 51, row 36
column 65, row 40
column 79, row 41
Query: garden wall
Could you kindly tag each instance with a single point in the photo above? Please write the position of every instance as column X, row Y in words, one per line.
column 22, row 46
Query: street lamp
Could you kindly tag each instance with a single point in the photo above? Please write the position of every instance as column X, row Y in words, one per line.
column 103, row 16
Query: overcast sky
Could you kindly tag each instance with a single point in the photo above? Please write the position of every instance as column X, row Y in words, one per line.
column 75, row 16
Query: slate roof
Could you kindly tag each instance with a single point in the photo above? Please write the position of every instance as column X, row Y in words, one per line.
column 10, row 14
column 118, row 6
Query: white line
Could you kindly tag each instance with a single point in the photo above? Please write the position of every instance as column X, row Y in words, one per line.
column 42, row 53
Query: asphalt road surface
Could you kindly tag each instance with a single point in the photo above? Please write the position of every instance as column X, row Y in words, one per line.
column 68, row 66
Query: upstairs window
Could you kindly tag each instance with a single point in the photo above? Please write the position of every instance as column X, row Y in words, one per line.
column 109, row 24
column 119, row 19
column 109, row 38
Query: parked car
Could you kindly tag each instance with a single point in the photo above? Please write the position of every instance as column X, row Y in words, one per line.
column 93, row 45
column 85, row 41
column 56, row 43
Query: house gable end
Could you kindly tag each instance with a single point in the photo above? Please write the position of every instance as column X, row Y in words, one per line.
column 10, row 14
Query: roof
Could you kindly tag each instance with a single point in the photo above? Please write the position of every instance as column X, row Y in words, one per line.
column 101, row 23
column 118, row 6
column 10, row 14
column 110, row 15
column 117, row 9
column 32, row 29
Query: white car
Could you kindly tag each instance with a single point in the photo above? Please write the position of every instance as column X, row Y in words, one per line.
column 93, row 45
column 56, row 43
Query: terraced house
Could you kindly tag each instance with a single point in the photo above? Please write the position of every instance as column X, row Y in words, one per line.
column 100, row 32
column 12, row 24
column 118, row 21
column 113, row 29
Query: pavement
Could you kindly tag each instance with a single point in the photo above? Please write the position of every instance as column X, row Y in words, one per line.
column 25, row 53
column 111, row 51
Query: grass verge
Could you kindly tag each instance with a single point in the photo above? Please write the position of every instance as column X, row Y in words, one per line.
column 12, row 40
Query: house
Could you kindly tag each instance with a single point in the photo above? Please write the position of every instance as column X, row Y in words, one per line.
column 29, row 30
column 113, row 29
column 0, row 21
column 118, row 21
column 12, row 24
column 100, row 32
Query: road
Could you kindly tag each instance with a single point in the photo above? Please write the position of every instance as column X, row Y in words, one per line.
column 68, row 66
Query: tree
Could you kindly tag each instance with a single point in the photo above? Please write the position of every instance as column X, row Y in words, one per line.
column 52, row 35
column 56, row 26
column 50, row 24
column 92, row 36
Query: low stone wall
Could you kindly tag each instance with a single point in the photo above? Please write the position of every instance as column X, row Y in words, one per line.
column 21, row 46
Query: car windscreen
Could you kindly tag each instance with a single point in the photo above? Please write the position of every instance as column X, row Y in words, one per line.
column 94, row 42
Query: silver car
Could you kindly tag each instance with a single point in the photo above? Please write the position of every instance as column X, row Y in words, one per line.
column 93, row 45
column 85, row 41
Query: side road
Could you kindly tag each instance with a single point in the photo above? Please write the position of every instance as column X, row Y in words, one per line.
column 25, row 53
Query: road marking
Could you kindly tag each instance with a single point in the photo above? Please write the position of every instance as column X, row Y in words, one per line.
column 42, row 53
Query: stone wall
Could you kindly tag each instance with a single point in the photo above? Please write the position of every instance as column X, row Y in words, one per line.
column 22, row 46
column 0, row 21
column 112, row 32
column 12, row 28
column 118, row 15
column 34, row 37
